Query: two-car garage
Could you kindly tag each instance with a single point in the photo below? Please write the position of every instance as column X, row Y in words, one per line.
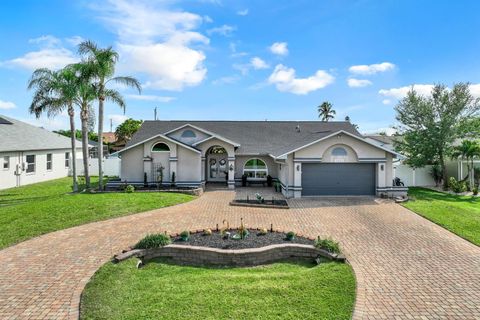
column 327, row 179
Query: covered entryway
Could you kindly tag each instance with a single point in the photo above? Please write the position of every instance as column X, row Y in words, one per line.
column 331, row 179
column 217, row 164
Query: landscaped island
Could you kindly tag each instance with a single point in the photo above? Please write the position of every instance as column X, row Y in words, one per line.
column 165, row 291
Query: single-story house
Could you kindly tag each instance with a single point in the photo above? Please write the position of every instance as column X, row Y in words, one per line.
column 308, row 158
column 30, row 154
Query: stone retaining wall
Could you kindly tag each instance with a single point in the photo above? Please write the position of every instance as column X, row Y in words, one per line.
column 193, row 255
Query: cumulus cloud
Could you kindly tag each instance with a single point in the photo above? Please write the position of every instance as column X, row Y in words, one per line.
column 51, row 54
column 401, row 92
column 284, row 79
column 242, row 12
column 358, row 83
column 4, row 105
column 279, row 48
column 370, row 69
column 158, row 42
column 258, row 63
column 117, row 118
column 224, row 30
column 146, row 97
column 386, row 101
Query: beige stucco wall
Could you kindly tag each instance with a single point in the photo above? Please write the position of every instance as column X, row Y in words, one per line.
column 8, row 179
column 361, row 149
column 132, row 164
column 188, row 165
column 241, row 160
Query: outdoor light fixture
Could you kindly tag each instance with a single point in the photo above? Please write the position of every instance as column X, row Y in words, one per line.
column 298, row 167
column 231, row 167
column 381, row 167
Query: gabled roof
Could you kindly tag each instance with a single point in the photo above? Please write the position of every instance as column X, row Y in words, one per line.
column 160, row 135
column 21, row 136
column 273, row 138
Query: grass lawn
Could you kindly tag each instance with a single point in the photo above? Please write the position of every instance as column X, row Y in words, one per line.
column 459, row 214
column 36, row 209
column 165, row 291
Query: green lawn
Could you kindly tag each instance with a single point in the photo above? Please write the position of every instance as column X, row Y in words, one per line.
column 36, row 209
column 165, row 291
column 459, row 214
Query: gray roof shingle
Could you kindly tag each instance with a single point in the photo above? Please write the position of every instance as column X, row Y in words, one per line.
column 254, row 137
column 21, row 136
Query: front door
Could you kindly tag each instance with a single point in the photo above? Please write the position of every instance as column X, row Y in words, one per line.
column 217, row 167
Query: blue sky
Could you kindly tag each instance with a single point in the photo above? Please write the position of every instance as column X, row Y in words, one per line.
column 248, row 60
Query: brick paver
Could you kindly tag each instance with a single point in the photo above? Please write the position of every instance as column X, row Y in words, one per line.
column 406, row 267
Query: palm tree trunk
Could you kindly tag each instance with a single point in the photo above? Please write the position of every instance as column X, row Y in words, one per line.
column 73, row 159
column 100, row 142
column 84, row 118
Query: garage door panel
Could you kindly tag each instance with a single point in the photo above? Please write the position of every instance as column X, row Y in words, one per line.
column 338, row 179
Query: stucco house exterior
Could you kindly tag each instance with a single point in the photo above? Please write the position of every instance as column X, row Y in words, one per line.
column 308, row 158
column 30, row 154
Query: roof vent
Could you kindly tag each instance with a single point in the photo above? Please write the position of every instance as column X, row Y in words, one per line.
column 297, row 128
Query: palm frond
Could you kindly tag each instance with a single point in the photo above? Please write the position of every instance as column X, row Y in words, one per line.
column 127, row 82
column 115, row 97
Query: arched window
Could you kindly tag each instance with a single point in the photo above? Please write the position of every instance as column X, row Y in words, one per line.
column 339, row 154
column 188, row 134
column 160, row 147
column 255, row 169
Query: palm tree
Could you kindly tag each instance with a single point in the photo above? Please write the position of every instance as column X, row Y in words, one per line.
column 468, row 150
column 325, row 111
column 55, row 91
column 102, row 62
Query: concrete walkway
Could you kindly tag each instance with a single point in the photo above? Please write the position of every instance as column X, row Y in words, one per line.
column 406, row 266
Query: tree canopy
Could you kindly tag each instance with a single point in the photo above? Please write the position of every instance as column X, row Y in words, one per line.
column 126, row 130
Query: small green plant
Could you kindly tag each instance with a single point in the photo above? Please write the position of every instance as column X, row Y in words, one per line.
column 457, row 186
column 475, row 191
column 290, row 235
column 185, row 235
column 153, row 241
column 328, row 245
column 207, row 232
column 129, row 189
column 263, row 231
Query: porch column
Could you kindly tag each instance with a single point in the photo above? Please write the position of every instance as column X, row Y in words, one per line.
column 297, row 179
column 173, row 169
column 203, row 169
column 381, row 174
column 231, row 172
column 147, row 168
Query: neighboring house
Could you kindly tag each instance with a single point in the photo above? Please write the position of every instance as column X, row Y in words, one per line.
column 113, row 143
column 308, row 158
column 30, row 154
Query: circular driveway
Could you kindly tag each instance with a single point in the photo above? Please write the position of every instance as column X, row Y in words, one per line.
column 406, row 267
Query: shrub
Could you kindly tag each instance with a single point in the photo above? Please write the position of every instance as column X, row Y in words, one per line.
column 153, row 241
column 243, row 233
column 328, row 245
column 129, row 189
column 207, row 232
column 263, row 231
column 475, row 191
column 457, row 186
column 185, row 235
column 290, row 235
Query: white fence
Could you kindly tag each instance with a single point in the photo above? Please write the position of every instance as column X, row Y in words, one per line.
column 419, row 177
column 111, row 166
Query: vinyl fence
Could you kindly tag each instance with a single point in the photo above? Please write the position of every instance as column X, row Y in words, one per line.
column 111, row 166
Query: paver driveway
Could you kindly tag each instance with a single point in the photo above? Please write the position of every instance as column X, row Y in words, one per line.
column 406, row 266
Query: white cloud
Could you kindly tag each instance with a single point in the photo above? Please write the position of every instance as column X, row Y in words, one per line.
column 226, row 80
column 207, row 19
column 475, row 90
column 242, row 12
column 224, row 30
column 279, row 48
column 75, row 40
column 4, row 105
column 50, row 55
column 146, row 97
column 386, row 101
column 285, row 80
column 358, row 83
column 117, row 118
column 370, row 69
column 399, row 93
column 257, row 63
column 157, row 41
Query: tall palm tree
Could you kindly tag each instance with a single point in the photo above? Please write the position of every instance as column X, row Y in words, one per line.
column 325, row 111
column 56, row 91
column 468, row 150
column 102, row 62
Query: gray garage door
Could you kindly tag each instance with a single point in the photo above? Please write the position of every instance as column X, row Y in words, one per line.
column 338, row 179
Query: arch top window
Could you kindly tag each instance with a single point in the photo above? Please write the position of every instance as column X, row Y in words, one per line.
column 188, row 134
column 339, row 152
column 255, row 169
column 160, row 147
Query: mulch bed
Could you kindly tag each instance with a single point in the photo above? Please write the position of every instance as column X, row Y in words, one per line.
column 253, row 240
